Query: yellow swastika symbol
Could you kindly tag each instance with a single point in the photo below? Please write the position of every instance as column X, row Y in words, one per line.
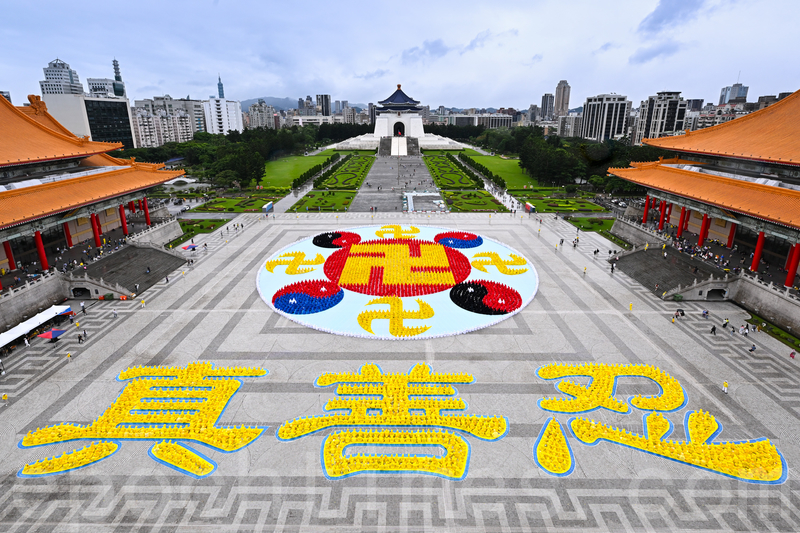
column 502, row 265
column 297, row 259
column 397, row 232
column 395, row 315
column 399, row 267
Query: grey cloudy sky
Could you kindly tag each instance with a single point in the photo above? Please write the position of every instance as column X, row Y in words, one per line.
column 462, row 53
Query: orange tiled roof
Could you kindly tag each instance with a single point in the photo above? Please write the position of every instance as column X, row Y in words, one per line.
column 764, row 202
column 770, row 135
column 30, row 203
column 24, row 139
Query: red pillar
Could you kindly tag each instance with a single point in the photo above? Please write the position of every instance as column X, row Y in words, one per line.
column 702, row 237
column 669, row 212
column 146, row 211
column 646, row 209
column 132, row 207
column 793, row 263
column 96, row 231
column 67, row 234
column 732, row 234
column 40, row 249
column 686, row 222
column 9, row 255
column 663, row 215
column 757, row 254
column 682, row 221
column 122, row 221
column 140, row 205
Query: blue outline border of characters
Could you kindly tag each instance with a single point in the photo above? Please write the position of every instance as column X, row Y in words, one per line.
column 464, row 435
column 779, row 481
column 119, row 440
column 295, row 318
column 613, row 393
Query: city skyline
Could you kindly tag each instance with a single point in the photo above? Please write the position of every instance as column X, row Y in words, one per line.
column 489, row 59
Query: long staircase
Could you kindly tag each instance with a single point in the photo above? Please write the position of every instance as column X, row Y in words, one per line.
column 128, row 267
column 385, row 148
column 412, row 146
column 650, row 267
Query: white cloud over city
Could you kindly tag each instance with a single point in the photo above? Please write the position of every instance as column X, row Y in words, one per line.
column 462, row 54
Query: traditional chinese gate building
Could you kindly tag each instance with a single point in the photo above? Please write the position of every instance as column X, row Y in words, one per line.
column 57, row 190
column 737, row 183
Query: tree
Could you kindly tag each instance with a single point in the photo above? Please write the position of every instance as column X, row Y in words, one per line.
column 227, row 178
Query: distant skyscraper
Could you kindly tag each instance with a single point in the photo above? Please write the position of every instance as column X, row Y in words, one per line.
column 324, row 103
column 345, row 105
column 660, row 115
column 605, row 116
column 694, row 104
column 562, row 99
column 220, row 89
column 6, row 95
column 106, row 86
column 60, row 79
column 547, row 107
column 301, row 104
column 337, row 108
column 371, row 107
column 737, row 90
column 223, row 115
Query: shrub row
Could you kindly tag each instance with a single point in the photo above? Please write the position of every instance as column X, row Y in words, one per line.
column 466, row 171
column 497, row 180
column 331, row 171
column 313, row 171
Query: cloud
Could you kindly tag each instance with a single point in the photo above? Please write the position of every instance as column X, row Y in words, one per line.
column 372, row 75
column 428, row 50
column 606, row 47
column 536, row 59
column 648, row 53
column 149, row 88
column 668, row 12
column 478, row 41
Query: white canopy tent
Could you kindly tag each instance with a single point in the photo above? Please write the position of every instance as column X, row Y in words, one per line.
column 32, row 323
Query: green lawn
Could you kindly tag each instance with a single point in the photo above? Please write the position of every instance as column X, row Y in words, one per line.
column 546, row 204
column 281, row 172
column 446, row 175
column 351, row 174
column 318, row 200
column 774, row 331
column 472, row 201
column 508, row 169
column 592, row 223
column 251, row 204
column 193, row 227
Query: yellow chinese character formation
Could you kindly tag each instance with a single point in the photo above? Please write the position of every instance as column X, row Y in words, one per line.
column 754, row 461
column 552, row 452
column 162, row 404
column 602, row 386
column 418, row 399
column 493, row 258
column 293, row 265
column 397, row 232
column 395, row 315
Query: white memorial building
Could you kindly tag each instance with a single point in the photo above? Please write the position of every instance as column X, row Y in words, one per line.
column 398, row 130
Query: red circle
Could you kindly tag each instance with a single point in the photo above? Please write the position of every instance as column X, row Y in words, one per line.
column 404, row 263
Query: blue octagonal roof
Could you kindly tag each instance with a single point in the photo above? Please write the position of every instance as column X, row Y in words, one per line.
column 399, row 98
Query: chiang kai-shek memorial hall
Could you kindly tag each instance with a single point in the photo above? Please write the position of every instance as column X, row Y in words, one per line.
column 737, row 183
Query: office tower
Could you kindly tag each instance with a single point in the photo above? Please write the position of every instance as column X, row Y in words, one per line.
column 660, row 115
column 220, row 89
column 605, row 116
column 733, row 92
column 60, row 79
column 562, row 99
column 547, row 106
column 345, row 105
column 694, row 104
column 371, row 107
column 533, row 113
column 324, row 103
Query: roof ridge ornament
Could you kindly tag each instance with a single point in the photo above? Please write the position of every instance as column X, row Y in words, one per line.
column 38, row 106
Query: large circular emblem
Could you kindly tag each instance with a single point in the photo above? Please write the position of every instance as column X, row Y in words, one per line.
column 397, row 282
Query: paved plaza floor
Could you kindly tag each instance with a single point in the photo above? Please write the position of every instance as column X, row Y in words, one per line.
column 581, row 314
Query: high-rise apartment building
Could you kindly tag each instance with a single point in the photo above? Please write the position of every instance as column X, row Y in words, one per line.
column 533, row 113
column 60, row 79
column 694, row 104
column 660, row 115
column 548, row 102
column 223, row 115
column 155, row 129
column 570, row 125
column 337, row 108
column 562, row 99
column 371, row 111
column 193, row 108
column 605, row 116
column 262, row 115
column 324, row 104
column 733, row 92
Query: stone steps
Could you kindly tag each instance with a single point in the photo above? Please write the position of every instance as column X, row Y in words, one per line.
column 129, row 267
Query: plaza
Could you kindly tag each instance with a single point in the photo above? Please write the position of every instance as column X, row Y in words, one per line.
column 212, row 312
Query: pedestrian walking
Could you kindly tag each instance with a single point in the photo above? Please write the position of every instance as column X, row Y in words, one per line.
column 80, row 339
column 714, row 330
column 83, row 308
column 115, row 313
column 791, row 355
column 85, row 335
column 725, row 324
column 166, row 279
column 725, row 387
column 26, row 341
column 142, row 303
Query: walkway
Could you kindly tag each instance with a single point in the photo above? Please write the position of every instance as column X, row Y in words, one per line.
column 412, row 174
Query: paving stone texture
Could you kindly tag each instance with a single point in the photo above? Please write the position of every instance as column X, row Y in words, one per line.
column 213, row 313
column 413, row 174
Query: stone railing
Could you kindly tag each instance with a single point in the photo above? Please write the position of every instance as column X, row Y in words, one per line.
column 11, row 291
